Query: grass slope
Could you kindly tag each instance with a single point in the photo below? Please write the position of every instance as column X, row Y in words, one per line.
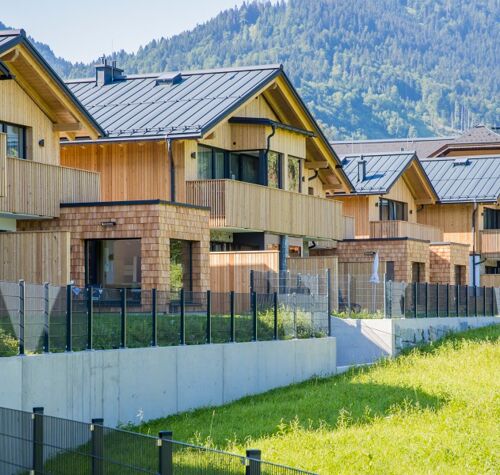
column 435, row 409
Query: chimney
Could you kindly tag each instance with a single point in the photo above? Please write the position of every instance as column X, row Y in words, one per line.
column 362, row 169
column 107, row 73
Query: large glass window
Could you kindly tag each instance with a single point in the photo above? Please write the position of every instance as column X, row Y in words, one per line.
column 274, row 169
column 114, row 263
column 294, row 171
column 210, row 163
column 16, row 139
column 491, row 218
column 391, row 210
column 181, row 265
column 244, row 166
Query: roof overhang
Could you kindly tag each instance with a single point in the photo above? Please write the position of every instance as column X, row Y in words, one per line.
column 270, row 123
column 464, row 147
column 419, row 184
column 36, row 77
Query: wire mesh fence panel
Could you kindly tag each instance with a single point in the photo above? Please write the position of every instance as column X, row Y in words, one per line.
column 489, row 301
column 66, row 446
column 192, row 460
column 463, row 302
column 9, row 318
column 107, row 305
column 243, row 319
column 139, row 324
column 57, row 318
column 168, row 318
column 221, row 317
column 268, row 468
column 287, row 282
column 396, row 299
column 196, row 317
column 365, row 298
column 16, row 436
column 265, row 316
column 79, row 318
column 34, row 319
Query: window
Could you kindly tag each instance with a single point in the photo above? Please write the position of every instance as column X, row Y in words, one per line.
column 417, row 272
column 181, row 265
column 489, row 269
column 491, row 218
column 113, row 263
column 460, row 275
column 273, row 169
column 294, row 174
column 391, row 210
column 389, row 270
column 244, row 166
column 210, row 163
column 16, row 139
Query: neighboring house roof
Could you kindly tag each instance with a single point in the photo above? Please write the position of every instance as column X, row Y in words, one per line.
column 422, row 146
column 145, row 106
column 478, row 134
column 9, row 40
column 465, row 179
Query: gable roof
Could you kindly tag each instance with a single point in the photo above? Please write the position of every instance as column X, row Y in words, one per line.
column 144, row 106
column 478, row 134
column 383, row 170
column 465, row 179
column 30, row 70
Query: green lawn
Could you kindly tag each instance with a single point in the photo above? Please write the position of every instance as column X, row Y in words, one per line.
column 433, row 410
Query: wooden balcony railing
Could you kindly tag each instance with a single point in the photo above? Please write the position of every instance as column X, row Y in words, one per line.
column 399, row 229
column 349, row 227
column 490, row 241
column 244, row 206
column 34, row 188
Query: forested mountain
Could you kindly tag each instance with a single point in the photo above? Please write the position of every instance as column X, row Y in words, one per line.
column 366, row 68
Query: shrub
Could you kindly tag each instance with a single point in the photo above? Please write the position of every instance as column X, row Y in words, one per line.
column 8, row 344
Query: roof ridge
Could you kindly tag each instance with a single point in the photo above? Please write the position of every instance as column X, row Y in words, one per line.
column 457, row 157
column 13, row 32
column 377, row 154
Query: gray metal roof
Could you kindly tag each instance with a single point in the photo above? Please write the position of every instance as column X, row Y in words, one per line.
column 382, row 171
column 142, row 106
column 465, row 179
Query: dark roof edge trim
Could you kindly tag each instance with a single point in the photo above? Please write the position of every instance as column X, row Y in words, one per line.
column 130, row 203
column 271, row 123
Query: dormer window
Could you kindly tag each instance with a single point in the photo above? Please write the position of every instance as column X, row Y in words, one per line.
column 16, row 139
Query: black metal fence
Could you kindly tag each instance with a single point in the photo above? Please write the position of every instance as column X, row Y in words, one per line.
column 31, row 442
column 44, row 318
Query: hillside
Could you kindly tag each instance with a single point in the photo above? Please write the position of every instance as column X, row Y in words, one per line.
column 366, row 69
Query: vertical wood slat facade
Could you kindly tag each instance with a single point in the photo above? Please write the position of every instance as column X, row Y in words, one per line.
column 397, row 229
column 490, row 241
column 349, row 227
column 36, row 257
column 240, row 205
column 231, row 270
column 35, row 188
column 3, row 164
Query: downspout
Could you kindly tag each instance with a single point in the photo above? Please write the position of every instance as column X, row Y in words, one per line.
column 172, row 170
column 474, row 215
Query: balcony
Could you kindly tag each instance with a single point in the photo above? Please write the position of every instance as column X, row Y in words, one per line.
column 37, row 189
column 490, row 242
column 241, row 206
column 400, row 229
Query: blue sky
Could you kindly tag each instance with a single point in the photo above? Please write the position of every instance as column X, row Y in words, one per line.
column 84, row 30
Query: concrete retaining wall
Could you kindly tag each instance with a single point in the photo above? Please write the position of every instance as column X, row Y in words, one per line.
column 118, row 385
column 367, row 340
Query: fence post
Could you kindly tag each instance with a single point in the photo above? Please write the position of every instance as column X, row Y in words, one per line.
column 384, row 290
column 466, row 300
column 154, row 319
column 90, row 318
column 21, row 317
column 123, row 319
column 182, row 330
column 329, row 300
column 165, row 456
column 38, row 440
column 69, row 317
column 46, row 309
column 268, row 282
column 254, row 466
column 275, row 315
column 97, row 442
column 209, row 317
column 254, row 316
column 349, row 294
column 492, row 301
column 437, row 300
column 484, row 300
column 252, row 281
column 415, row 300
column 232, row 323
column 447, row 300
column 475, row 301
column 458, row 299
column 426, row 300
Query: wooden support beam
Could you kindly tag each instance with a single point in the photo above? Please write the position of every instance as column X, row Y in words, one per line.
column 70, row 127
column 316, row 165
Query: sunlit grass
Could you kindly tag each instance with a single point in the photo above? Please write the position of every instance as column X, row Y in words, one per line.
column 433, row 410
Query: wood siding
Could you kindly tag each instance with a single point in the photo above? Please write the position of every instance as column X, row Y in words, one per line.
column 398, row 229
column 17, row 107
column 490, row 280
column 35, row 188
column 36, row 257
column 349, row 227
column 231, row 270
column 490, row 242
column 245, row 206
column 129, row 171
column 357, row 207
column 3, row 164
column 399, row 192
